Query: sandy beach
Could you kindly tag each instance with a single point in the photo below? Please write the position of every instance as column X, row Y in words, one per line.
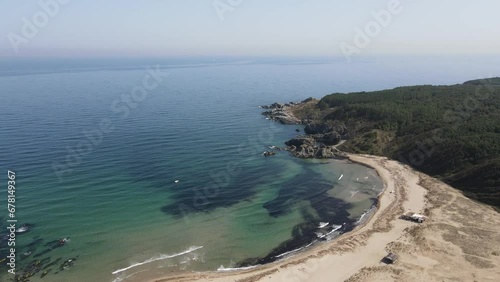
column 459, row 241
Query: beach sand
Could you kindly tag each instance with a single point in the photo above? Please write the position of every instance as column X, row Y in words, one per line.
column 460, row 240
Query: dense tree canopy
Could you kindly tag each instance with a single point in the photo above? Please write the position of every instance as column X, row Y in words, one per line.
column 451, row 132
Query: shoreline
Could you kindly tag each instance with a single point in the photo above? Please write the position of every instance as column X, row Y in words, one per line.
column 376, row 222
column 459, row 241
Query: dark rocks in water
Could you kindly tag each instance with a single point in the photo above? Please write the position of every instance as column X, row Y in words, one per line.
column 43, row 253
column 67, row 264
column 35, row 242
column 52, row 263
column 328, row 209
column 269, row 153
column 57, row 243
column 276, row 148
column 281, row 112
column 52, row 245
column 320, row 138
column 32, row 246
column 45, row 273
column 63, row 241
column 282, row 116
column 31, row 269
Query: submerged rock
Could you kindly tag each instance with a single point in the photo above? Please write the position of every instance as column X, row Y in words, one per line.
column 269, row 153
column 67, row 264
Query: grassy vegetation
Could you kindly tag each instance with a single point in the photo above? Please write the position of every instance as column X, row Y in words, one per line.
column 450, row 132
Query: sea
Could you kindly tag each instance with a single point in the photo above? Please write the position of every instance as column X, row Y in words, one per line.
column 130, row 169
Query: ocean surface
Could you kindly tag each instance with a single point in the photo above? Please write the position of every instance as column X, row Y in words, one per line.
column 145, row 182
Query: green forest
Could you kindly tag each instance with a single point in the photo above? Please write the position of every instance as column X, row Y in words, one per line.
column 449, row 132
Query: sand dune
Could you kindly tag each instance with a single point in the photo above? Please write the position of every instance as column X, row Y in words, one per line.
column 460, row 241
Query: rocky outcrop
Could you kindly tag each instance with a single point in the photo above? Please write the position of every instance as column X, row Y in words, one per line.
column 301, row 141
column 281, row 112
column 321, row 137
column 274, row 105
column 308, row 147
column 330, row 138
column 269, row 153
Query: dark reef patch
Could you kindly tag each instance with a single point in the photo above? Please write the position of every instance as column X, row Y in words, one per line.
column 324, row 209
column 221, row 191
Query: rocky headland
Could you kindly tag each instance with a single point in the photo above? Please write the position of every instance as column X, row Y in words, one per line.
column 320, row 139
column 281, row 113
column 424, row 126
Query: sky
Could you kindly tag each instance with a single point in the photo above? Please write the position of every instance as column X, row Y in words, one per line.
column 135, row 28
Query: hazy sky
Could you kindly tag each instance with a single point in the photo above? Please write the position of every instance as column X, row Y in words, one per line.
column 246, row 27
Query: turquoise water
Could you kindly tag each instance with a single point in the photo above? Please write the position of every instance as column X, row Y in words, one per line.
column 119, row 203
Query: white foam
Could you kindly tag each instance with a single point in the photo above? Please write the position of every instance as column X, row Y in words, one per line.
column 319, row 234
column 364, row 214
column 222, row 268
column 335, row 228
column 161, row 257
column 361, row 217
column 323, row 224
column 294, row 251
column 123, row 277
column 290, row 252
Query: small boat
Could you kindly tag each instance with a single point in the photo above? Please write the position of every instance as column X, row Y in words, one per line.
column 341, row 176
column 177, row 181
column 323, row 224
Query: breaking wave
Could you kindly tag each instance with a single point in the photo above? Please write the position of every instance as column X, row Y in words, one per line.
column 161, row 257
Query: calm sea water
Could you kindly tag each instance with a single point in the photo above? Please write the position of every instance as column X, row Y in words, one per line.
column 174, row 179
